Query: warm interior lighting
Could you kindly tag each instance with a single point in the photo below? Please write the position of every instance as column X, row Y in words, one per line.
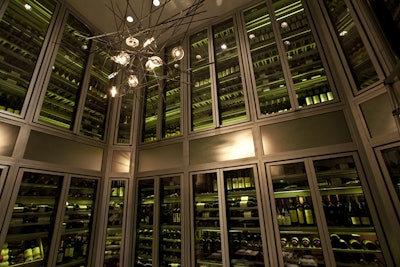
column 122, row 58
column 156, row 2
column 153, row 62
column 28, row 6
column 129, row 19
column 224, row 46
column 113, row 91
column 133, row 80
column 178, row 53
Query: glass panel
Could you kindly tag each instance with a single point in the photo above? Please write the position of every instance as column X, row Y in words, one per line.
column 115, row 231
column 308, row 73
column 206, row 221
column 172, row 96
column 353, row 47
column 125, row 119
column 270, row 83
column 151, row 108
column 245, row 244
column 96, row 102
column 170, row 222
column 392, row 161
column 77, row 226
column 59, row 106
column 231, row 102
column 144, row 229
column 200, row 83
column 32, row 222
column 350, row 226
column 299, row 235
column 22, row 32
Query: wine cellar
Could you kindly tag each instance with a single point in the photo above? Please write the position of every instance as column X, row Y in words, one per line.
column 272, row 140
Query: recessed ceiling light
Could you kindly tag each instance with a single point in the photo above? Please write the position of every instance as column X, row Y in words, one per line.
column 129, row 18
column 156, row 2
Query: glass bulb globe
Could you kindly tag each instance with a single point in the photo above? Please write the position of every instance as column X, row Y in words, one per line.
column 153, row 62
column 132, row 41
column 133, row 81
column 177, row 52
column 122, row 58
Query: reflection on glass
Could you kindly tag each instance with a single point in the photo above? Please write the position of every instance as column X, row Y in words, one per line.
column 245, row 242
column 200, row 83
column 231, row 101
column 308, row 73
column 350, row 226
column 299, row 235
column 60, row 103
column 172, row 96
column 114, row 224
column 96, row 102
column 144, row 229
column 206, row 220
column 22, row 33
column 170, row 226
column 363, row 70
column 32, row 221
column 270, row 82
column 77, row 225
column 125, row 119
column 151, row 108
column 392, row 161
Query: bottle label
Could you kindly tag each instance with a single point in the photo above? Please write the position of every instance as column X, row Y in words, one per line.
column 309, row 216
column 293, row 216
column 355, row 220
column 300, row 215
column 365, row 221
column 247, row 214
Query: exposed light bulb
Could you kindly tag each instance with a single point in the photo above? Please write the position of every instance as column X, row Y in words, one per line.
column 28, row 6
column 178, row 53
column 132, row 41
column 133, row 80
column 122, row 58
column 224, row 46
column 112, row 75
column 153, row 62
column 284, row 24
column 148, row 42
column 252, row 36
column 129, row 19
column 113, row 91
column 156, row 2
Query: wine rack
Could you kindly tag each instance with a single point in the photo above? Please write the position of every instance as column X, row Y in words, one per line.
column 77, row 226
column 63, row 90
column 22, row 33
column 170, row 230
column 145, row 222
column 243, row 228
column 356, row 53
column 125, row 120
column 115, row 218
column 229, row 85
column 96, row 101
column 308, row 73
column 32, row 221
column 151, row 108
column 352, row 237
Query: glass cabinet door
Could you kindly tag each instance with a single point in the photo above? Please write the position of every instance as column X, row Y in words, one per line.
column 144, row 224
column 231, row 100
column 207, row 232
column 170, row 221
column 115, row 231
column 32, row 222
column 23, row 28
column 300, row 240
column 77, row 224
column 200, row 83
column 353, row 238
column 244, row 234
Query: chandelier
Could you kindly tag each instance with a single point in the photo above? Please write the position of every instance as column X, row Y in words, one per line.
column 142, row 31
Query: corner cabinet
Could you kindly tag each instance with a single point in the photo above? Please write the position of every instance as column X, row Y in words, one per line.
column 322, row 213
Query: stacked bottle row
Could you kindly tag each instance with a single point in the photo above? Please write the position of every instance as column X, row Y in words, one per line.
column 295, row 211
column 114, row 231
column 72, row 247
column 20, row 252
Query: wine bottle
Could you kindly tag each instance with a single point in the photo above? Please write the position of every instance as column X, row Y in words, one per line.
column 60, row 253
column 364, row 213
column 341, row 214
column 300, row 210
column 293, row 212
column 354, row 211
column 308, row 212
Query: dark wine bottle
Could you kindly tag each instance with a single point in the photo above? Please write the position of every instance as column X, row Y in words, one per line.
column 300, row 210
column 308, row 212
column 293, row 212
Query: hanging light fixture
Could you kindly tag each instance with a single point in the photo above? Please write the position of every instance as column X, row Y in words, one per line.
column 137, row 46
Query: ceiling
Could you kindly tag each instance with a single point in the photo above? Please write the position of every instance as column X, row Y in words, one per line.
column 108, row 15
